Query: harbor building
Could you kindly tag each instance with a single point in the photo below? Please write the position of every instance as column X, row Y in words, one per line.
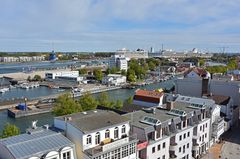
column 99, row 134
column 37, row 143
column 119, row 61
column 114, row 80
column 64, row 76
column 148, row 98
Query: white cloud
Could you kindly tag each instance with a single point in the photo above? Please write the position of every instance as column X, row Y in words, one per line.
column 94, row 24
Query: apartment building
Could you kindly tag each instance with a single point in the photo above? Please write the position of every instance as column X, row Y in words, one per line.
column 99, row 134
column 177, row 131
column 37, row 143
column 119, row 61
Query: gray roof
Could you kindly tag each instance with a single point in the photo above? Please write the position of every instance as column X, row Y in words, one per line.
column 94, row 120
column 137, row 117
column 36, row 144
column 195, row 100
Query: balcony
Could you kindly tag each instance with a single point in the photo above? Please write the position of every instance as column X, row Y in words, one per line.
column 111, row 145
column 173, row 147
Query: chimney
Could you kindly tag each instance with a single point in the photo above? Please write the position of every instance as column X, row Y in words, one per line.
column 170, row 105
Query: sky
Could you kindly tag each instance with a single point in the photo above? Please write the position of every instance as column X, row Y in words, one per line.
column 108, row 25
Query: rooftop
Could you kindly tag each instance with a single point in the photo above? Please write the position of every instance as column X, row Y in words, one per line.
column 148, row 96
column 220, row 100
column 36, row 144
column 94, row 120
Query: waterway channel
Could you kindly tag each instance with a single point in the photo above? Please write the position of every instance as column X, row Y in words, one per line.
column 47, row 118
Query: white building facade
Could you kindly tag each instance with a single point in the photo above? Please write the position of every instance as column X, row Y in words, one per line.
column 99, row 135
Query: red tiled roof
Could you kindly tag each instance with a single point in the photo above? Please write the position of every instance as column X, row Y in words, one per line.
column 148, row 96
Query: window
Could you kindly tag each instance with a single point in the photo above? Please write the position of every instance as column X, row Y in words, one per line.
column 163, row 157
column 184, row 136
column 188, row 145
column 89, row 139
column 180, row 149
column 180, row 137
column 107, row 134
column 116, row 133
column 159, row 147
column 123, row 129
column 67, row 155
column 153, row 149
column 188, row 134
column 205, row 135
column 206, row 125
column 97, row 138
column 158, row 158
column 164, row 145
column 183, row 148
column 200, row 128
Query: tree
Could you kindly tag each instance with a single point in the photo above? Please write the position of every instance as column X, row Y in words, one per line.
column 118, row 104
column 10, row 130
column 232, row 64
column 123, row 72
column 103, row 100
column 114, row 70
column 151, row 66
column 65, row 104
column 82, row 71
column 131, row 75
column 129, row 100
column 201, row 62
column 29, row 78
column 88, row 102
column 37, row 78
column 108, row 71
column 98, row 74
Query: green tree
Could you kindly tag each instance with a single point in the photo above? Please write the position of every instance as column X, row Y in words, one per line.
column 123, row 72
column 131, row 75
column 65, row 104
column 151, row 66
column 98, row 74
column 201, row 62
column 103, row 100
column 37, row 78
column 88, row 102
column 114, row 70
column 10, row 130
column 82, row 71
column 232, row 64
column 129, row 100
column 118, row 104
column 29, row 78
column 108, row 71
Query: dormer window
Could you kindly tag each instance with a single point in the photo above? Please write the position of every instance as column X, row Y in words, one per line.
column 89, row 139
column 123, row 129
column 107, row 134
column 115, row 132
column 97, row 138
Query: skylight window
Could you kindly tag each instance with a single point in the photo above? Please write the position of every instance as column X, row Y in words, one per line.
column 151, row 121
column 197, row 106
column 177, row 112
